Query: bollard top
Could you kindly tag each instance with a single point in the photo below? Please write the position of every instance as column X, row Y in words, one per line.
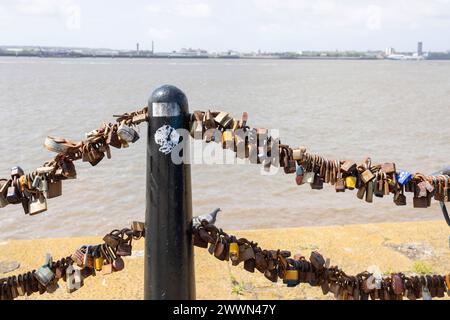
column 165, row 97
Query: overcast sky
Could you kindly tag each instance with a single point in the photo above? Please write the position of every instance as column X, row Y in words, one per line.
column 244, row 25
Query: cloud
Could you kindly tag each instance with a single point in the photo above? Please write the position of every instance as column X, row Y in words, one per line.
column 73, row 17
column 181, row 9
column 274, row 29
column 162, row 33
column 153, row 8
column 65, row 9
column 374, row 14
column 4, row 16
column 193, row 10
column 271, row 28
column 41, row 7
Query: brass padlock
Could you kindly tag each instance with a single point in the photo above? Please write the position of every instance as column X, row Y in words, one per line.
column 388, row 168
column 113, row 138
column 317, row 260
column 271, row 275
column 361, row 192
column 298, row 154
column 348, row 166
column 208, row 120
column 369, row 191
column 340, row 183
column 139, row 117
column 367, row 176
column 249, row 265
column 197, row 127
column 138, row 229
column 54, row 188
column 21, row 286
column 112, row 239
column 291, row 167
column 317, row 183
column 420, row 202
column 224, row 120
column 138, row 226
column 95, row 156
column 107, row 263
column 124, row 248
column 234, row 251
column 220, row 249
column 212, row 135
column 240, row 144
column 228, row 140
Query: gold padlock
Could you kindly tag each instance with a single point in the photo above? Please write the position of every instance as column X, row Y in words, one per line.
column 98, row 263
column 228, row 140
column 234, row 251
column 350, row 182
column 23, row 183
column 290, row 275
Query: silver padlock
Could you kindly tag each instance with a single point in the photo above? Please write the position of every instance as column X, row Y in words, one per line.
column 43, row 187
column 127, row 133
column 37, row 204
column 36, row 182
column 74, row 279
column 309, row 177
column 426, row 295
column 4, row 184
column 16, row 172
column 45, row 274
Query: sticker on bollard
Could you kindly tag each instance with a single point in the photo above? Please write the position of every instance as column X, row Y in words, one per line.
column 167, row 137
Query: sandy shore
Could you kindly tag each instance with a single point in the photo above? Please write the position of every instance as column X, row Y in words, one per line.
column 406, row 247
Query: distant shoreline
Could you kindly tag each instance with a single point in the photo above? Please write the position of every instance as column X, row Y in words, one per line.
column 206, row 57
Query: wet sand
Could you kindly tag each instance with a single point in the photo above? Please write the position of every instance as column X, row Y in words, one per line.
column 394, row 247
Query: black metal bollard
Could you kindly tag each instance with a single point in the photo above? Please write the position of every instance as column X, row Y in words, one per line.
column 169, row 262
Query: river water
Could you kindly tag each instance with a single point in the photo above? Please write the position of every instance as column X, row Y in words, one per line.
column 391, row 110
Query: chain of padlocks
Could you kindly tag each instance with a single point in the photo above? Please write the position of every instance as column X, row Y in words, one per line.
column 86, row 261
column 106, row 258
column 277, row 264
column 32, row 190
column 369, row 179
